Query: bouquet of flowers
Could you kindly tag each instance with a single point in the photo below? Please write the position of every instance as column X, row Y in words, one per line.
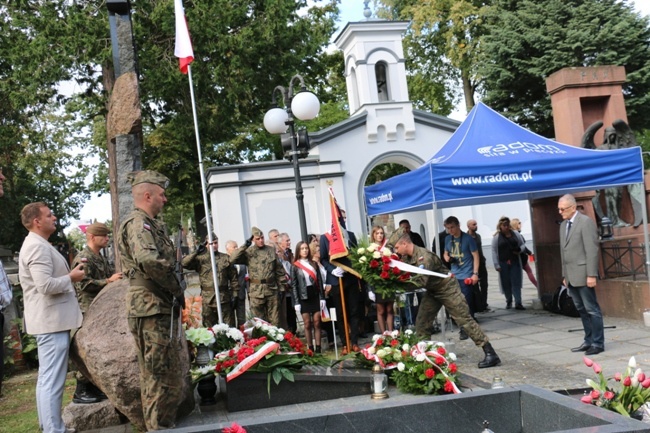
column 632, row 394
column 225, row 337
column 417, row 367
column 376, row 266
column 200, row 336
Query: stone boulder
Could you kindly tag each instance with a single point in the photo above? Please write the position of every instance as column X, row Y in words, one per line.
column 82, row 417
column 103, row 349
column 124, row 116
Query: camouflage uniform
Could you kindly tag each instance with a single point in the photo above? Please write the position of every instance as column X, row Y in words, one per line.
column 97, row 270
column 227, row 280
column 267, row 278
column 148, row 259
column 440, row 292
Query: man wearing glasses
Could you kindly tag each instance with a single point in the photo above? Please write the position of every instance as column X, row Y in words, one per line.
column 579, row 254
column 201, row 262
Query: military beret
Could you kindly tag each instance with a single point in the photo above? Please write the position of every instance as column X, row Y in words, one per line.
column 148, row 176
column 98, row 229
column 214, row 237
column 395, row 236
column 256, row 232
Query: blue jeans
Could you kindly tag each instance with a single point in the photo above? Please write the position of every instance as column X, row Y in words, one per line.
column 511, row 280
column 469, row 295
column 586, row 303
column 52, row 368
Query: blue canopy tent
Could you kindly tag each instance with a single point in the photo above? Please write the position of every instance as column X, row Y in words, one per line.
column 490, row 159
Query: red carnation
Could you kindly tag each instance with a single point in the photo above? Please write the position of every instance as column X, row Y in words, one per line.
column 385, row 267
column 396, row 271
column 384, row 275
column 429, row 373
column 385, row 259
column 440, row 361
column 374, row 264
column 441, row 350
column 449, row 387
column 380, row 342
column 394, row 343
column 453, row 368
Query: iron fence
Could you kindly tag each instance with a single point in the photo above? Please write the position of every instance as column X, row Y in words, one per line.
column 625, row 260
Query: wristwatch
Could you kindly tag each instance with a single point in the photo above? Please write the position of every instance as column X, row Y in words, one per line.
column 475, row 273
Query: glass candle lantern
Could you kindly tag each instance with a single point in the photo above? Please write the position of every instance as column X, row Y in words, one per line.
column 378, row 383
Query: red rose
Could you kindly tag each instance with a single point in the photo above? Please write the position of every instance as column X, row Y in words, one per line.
column 608, row 395
column 429, row 373
column 468, row 281
column 453, row 368
column 441, row 350
column 396, row 271
column 394, row 343
column 627, row 381
column 385, row 267
column 595, row 394
column 449, row 387
column 440, row 361
column 384, row 275
column 374, row 264
column 385, row 259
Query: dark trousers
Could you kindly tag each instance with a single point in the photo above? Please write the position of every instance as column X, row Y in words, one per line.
column 291, row 315
column 2, row 350
column 352, row 307
column 483, row 284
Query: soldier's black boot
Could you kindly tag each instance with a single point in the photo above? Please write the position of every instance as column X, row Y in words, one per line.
column 97, row 392
column 491, row 358
column 82, row 396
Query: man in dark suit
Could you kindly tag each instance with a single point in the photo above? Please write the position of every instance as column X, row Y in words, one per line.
column 351, row 288
column 415, row 237
column 579, row 254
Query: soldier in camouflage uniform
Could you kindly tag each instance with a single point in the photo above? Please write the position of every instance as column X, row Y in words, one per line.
column 227, row 280
column 441, row 292
column 154, row 300
column 267, row 276
column 98, row 273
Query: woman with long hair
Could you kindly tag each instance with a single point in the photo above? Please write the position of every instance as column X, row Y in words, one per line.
column 385, row 315
column 507, row 245
column 516, row 225
column 307, row 291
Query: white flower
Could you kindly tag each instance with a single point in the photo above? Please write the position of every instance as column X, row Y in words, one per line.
column 420, row 357
column 397, row 354
column 439, row 344
column 381, row 353
column 406, row 347
column 280, row 337
column 394, row 334
column 592, row 384
column 408, row 332
column 452, row 356
column 632, row 363
column 371, row 350
column 363, row 259
column 376, row 255
column 376, row 337
column 401, row 366
column 371, row 248
column 635, row 381
column 361, row 251
column 386, row 252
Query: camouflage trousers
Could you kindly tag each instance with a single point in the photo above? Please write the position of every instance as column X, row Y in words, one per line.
column 211, row 315
column 454, row 302
column 161, row 379
column 266, row 307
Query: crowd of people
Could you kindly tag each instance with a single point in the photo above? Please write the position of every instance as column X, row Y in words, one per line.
column 278, row 284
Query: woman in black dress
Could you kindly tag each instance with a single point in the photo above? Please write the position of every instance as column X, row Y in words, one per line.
column 307, row 290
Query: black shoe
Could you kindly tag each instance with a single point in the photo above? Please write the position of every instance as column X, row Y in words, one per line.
column 83, row 396
column 97, row 392
column 594, row 350
column 508, row 305
column 463, row 335
column 583, row 347
column 519, row 307
column 491, row 358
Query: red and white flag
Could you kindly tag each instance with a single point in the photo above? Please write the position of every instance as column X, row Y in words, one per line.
column 183, row 49
column 338, row 247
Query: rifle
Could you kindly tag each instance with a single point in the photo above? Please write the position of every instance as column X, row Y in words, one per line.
column 180, row 278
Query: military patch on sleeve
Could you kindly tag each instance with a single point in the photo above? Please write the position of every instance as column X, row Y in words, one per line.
column 146, row 226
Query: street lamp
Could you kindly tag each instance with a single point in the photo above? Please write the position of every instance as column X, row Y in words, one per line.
column 304, row 105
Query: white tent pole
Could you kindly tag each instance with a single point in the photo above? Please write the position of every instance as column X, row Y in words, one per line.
column 645, row 234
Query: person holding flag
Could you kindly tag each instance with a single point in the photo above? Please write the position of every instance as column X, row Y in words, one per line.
column 345, row 281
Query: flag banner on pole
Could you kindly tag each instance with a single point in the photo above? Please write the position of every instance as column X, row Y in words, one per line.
column 183, row 49
column 338, row 245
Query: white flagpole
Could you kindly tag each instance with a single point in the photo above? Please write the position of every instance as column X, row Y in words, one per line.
column 208, row 221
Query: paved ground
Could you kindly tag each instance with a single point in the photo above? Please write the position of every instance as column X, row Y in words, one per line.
column 534, row 346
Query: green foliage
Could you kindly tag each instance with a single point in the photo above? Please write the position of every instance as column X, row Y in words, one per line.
column 383, row 172
column 529, row 40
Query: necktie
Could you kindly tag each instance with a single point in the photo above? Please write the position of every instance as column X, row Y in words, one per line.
column 568, row 228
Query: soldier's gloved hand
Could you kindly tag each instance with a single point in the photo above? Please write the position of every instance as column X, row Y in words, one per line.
column 338, row 272
column 372, row 297
column 201, row 249
column 297, row 308
column 249, row 241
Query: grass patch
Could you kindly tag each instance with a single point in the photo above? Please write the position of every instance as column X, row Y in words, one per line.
column 18, row 406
